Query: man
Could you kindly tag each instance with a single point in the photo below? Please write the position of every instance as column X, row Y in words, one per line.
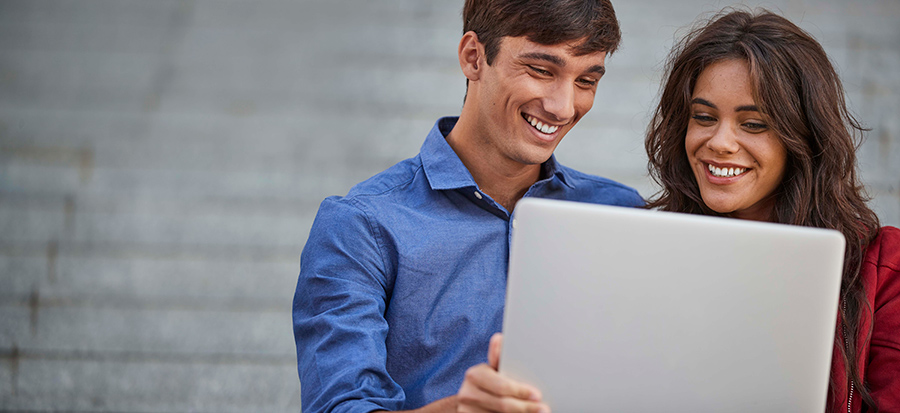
column 402, row 282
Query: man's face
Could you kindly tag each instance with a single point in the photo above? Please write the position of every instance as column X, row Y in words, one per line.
column 531, row 96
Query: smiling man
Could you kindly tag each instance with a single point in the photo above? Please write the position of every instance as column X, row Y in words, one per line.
column 402, row 282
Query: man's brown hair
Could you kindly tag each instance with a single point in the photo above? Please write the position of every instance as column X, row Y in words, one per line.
column 592, row 23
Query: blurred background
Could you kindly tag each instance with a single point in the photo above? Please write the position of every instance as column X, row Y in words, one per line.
column 161, row 163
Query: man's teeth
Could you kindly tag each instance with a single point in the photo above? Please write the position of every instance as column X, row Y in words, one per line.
column 548, row 129
column 726, row 172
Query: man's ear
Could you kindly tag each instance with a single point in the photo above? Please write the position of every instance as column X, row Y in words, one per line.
column 471, row 56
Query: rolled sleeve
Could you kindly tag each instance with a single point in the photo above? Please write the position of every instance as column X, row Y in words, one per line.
column 338, row 315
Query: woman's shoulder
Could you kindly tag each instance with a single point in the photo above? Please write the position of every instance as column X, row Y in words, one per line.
column 884, row 250
column 881, row 272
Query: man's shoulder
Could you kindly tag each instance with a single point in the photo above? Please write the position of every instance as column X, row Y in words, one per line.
column 372, row 198
column 597, row 189
column 392, row 181
column 597, row 181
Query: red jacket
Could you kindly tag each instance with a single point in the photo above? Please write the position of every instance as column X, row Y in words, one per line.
column 879, row 357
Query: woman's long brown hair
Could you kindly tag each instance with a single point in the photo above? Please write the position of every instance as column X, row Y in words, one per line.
column 800, row 94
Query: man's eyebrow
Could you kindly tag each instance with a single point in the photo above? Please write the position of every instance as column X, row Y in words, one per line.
column 556, row 60
column 597, row 69
column 545, row 57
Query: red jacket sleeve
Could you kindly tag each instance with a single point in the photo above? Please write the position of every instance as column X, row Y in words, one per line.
column 883, row 367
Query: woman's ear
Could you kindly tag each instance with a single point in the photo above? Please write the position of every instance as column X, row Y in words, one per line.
column 471, row 55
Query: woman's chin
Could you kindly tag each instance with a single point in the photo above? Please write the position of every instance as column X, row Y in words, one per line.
column 719, row 205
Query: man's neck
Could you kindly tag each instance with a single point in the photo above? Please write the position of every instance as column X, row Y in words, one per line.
column 504, row 180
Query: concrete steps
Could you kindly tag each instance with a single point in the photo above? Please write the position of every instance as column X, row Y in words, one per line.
column 161, row 163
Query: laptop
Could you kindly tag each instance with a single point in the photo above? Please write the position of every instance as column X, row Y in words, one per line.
column 629, row 310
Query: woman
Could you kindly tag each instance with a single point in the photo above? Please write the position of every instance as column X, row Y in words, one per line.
column 752, row 124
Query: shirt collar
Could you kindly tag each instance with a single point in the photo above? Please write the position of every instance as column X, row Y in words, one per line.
column 551, row 168
column 445, row 170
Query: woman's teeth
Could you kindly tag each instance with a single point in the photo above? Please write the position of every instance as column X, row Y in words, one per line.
column 540, row 125
column 726, row 172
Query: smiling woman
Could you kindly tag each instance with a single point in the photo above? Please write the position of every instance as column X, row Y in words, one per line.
column 752, row 124
column 737, row 160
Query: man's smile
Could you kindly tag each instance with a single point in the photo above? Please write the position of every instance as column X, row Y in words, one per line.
column 540, row 126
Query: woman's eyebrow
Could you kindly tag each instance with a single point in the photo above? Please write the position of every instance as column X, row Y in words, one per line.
column 745, row 108
column 704, row 102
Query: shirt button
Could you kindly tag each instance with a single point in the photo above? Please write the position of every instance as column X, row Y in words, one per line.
column 477, row 194
column 514, row 223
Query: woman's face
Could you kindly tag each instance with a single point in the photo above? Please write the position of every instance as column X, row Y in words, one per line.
column 738, row 161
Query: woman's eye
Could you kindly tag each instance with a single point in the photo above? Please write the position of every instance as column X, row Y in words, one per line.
column 703, row 118
column 755, row 126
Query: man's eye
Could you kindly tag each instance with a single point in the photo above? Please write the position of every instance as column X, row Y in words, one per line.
column 587, row 82
column 540, row 71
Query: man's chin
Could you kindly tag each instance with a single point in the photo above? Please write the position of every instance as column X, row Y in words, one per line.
column 535, row 158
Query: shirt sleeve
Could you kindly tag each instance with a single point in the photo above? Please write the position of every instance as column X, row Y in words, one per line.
column 338, row 315
column 882, row 375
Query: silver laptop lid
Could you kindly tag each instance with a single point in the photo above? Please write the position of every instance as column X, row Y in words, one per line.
column 629, row 310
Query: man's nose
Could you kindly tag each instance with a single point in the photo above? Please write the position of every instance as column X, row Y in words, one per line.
column 560, row 101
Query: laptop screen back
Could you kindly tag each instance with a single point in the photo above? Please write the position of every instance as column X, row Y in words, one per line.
column 623, row 309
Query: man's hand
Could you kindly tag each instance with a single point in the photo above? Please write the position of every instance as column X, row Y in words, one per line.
column 485, row 390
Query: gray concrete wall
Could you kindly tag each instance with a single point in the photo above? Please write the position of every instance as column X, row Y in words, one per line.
column 161, row 163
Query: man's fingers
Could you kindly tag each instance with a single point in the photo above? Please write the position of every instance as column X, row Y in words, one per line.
column 484, row 402
column 473, row 399
column 494, row 348
column 488, row 380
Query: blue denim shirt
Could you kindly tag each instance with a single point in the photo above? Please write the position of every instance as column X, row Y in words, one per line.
column 403, row 281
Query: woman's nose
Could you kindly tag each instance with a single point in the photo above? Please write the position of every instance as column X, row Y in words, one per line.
column 723, row 141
